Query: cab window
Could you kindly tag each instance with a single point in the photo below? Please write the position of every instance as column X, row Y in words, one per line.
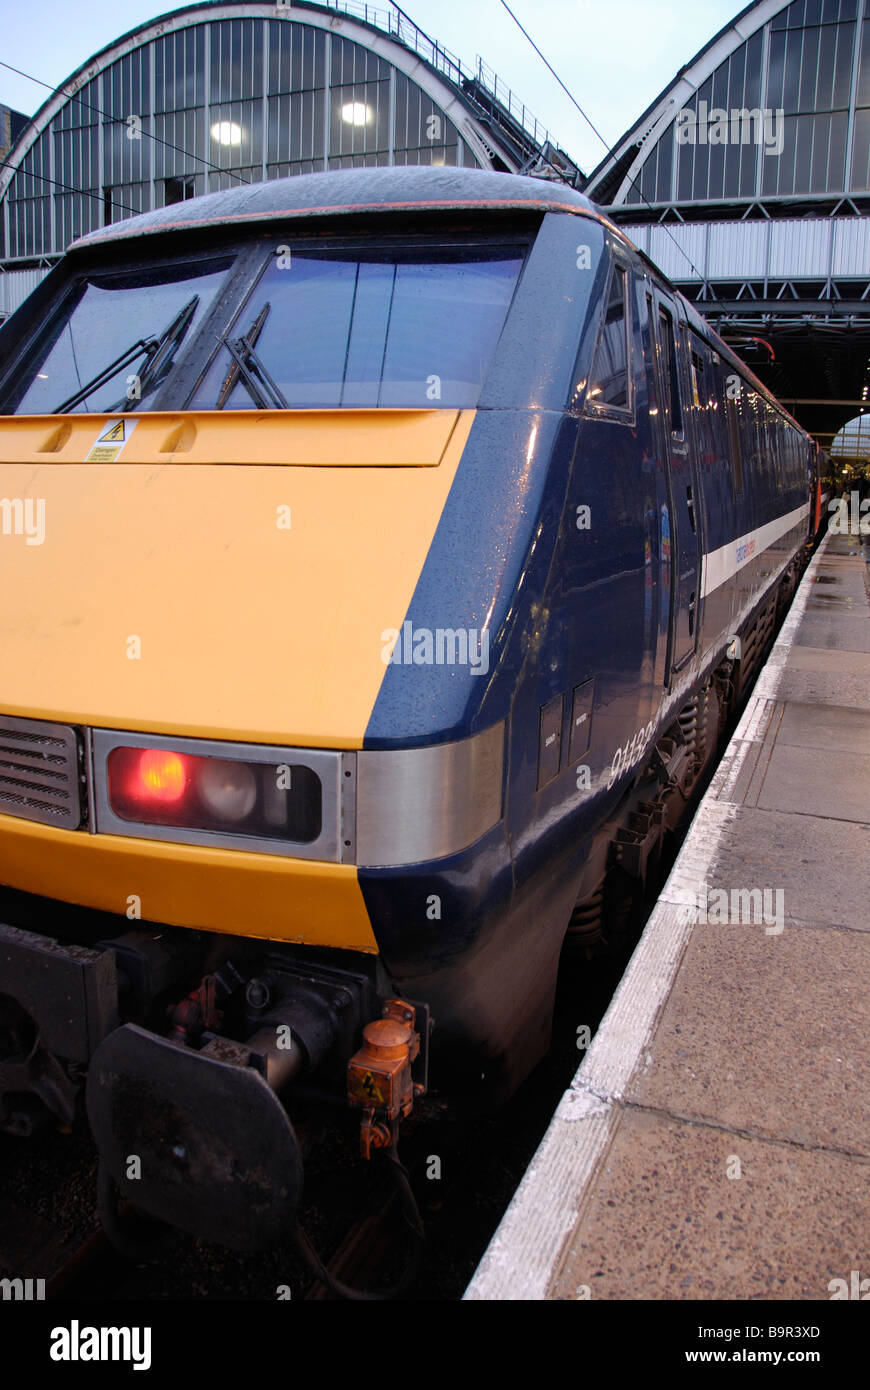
column 362, row 328
column 673, row 405
column 117, row 338
column 609, row 390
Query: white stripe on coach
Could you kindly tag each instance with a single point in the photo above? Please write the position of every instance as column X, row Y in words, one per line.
column 719, row 565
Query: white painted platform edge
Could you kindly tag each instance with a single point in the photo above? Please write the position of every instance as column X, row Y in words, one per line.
column 524, row 1254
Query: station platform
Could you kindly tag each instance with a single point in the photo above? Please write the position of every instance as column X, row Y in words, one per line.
column 715, row 1142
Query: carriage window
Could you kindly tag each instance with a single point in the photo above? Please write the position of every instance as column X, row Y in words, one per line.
column 609, row 379
column 356, row 329
column 734, row 443
column 671, row 373
column 756, row 429
column 698, row 393
column 774, row 445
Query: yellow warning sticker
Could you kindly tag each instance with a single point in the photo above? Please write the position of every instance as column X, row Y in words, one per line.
column 109, row 443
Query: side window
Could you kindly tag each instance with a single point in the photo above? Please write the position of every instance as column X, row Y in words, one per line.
column 734, row 443
column 769, row 451
column 610, row 378
column 748, row 434
column 673, row 408
column 781, row 437
column 774, row 440
column 760, row 431
column 699, row 394
column 754, row 426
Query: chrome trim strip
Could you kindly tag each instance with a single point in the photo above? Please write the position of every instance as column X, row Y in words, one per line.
column 90, row 781
column 326, row 765
column 417, row 804
column 347, row 850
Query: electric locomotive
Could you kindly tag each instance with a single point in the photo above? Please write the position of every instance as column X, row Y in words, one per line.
column 383, row 552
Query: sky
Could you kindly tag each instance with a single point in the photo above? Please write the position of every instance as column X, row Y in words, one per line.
column 615, row 56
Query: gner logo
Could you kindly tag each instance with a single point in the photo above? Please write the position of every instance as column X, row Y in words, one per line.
column 24, row 1289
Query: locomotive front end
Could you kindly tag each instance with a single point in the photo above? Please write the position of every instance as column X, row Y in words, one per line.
column 226, row 460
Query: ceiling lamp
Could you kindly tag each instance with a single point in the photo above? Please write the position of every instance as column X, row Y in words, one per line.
column 227, row 133
column 356, row 113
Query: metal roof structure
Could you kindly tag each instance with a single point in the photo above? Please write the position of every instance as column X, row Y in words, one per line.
column 748, row 181
column 231, row 92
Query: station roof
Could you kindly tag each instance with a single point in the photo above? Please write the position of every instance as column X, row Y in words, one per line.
column 503, row 127
column 607, row 177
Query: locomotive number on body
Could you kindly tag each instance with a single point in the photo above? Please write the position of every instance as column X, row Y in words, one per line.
column 626, row 757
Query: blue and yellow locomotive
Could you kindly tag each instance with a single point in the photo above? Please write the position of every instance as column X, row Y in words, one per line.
column 383, row 552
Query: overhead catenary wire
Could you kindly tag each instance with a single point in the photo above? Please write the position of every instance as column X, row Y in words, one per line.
column 608, row 147
column 150, row 135
column 67, row 188
column 117, row 120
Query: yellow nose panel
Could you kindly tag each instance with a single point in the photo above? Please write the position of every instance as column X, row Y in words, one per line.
column 262, row 895
column 311, row 438
column 225, row 575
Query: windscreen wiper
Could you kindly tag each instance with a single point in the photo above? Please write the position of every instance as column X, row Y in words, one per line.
column 157, row 367
column 126, row 359
column 159, row 353
column 248, row 368
column 250, row 340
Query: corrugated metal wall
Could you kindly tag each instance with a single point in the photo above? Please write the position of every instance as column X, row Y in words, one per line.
column 851, row 246
column 782, row 249
column 15, row 286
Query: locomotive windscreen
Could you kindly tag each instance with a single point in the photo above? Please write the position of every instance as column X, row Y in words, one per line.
column 412, row 326
column 362, row 329
column 117, row 337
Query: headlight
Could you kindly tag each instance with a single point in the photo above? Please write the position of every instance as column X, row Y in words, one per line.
column 229, row 790
column 373, row 807
column 163, row 786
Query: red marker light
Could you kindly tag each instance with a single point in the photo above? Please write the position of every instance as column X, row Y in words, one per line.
column 162, row 775
column 149, row 784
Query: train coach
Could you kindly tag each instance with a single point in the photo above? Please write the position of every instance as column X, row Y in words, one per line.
column 382, row 554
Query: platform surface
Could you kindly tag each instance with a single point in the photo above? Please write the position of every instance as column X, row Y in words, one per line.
column 715, row 1142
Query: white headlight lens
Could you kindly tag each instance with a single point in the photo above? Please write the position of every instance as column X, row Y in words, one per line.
column 228, row 790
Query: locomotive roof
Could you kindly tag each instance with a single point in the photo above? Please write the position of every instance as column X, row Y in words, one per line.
column 343, row 191
column 395, row 189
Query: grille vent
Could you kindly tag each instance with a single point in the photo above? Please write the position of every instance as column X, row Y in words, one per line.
column 39, row 778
